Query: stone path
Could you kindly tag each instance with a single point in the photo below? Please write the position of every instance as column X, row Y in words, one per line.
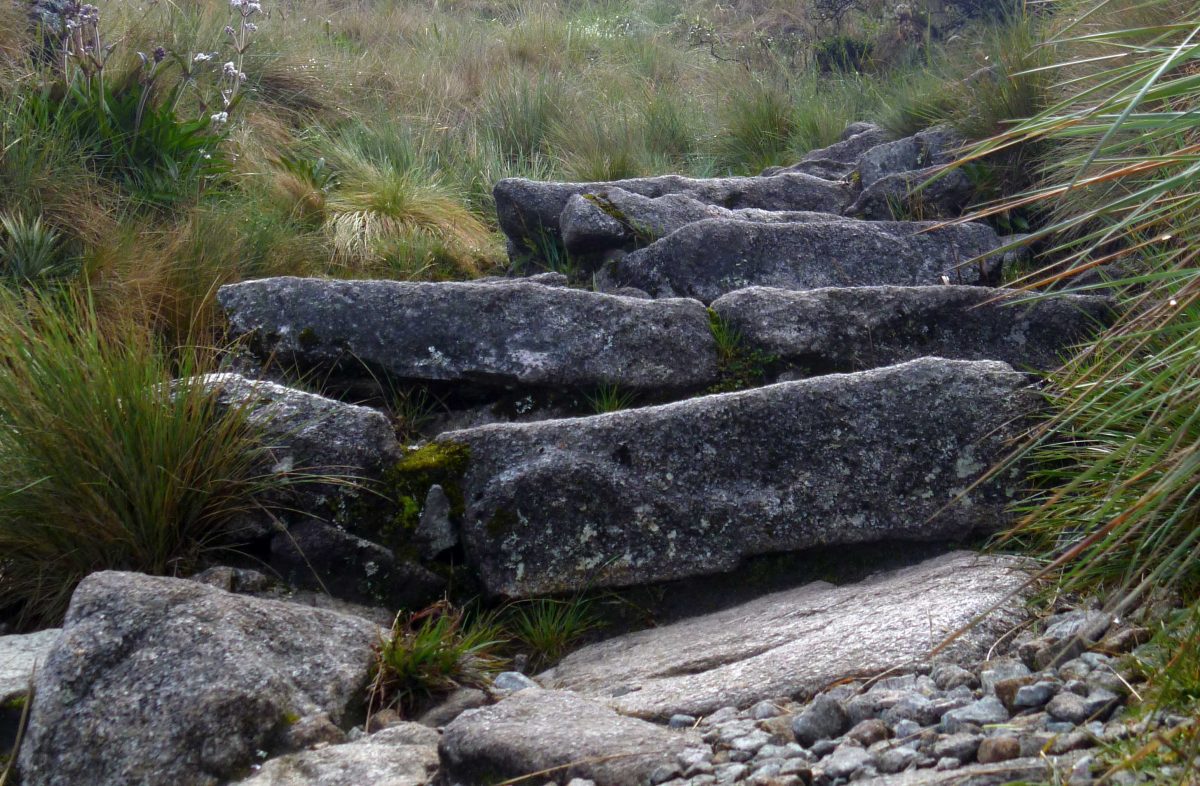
column 789, row 374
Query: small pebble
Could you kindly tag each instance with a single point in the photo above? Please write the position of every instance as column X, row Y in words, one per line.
column 681, row 721
column 994, row 749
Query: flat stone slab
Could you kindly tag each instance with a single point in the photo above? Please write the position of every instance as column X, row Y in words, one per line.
column 499, row 333
column 161, row 681
column 709, row 258
column 1026, row 770
column 20, row 655
column 851, row 328
column 533, row 731
column 798, row 642
column 528, row 210
column 397, row 756
column 692, row 488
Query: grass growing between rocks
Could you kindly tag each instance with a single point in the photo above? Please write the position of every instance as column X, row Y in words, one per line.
column 105, row 467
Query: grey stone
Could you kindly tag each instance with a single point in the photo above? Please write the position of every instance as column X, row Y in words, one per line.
column 839, row 159
column 20, row 656
column 869, row 731
column 846, row 761
column 435, row 533
column 320, row 556
column 1001, row 669
column 710, row 258
column 503, row 333
column 921, row 195
column 896, row 759
column 536, row 730
column 611, row 500
column 1032, row 769
column 512, row 681
column 167, row 681
column 799, row 641
column 905, row 727
column 931, row 147
column 823, row 719
column 1035, row 695
column 851, row 328
column 986, row 711
column 1072, row 708
column 913, row 706
column 947, row 763
column 392, row 757
column 680, row 721
column 765, row 709
column 452, row 706
column 529, row 211
column 961, row 746
column 313, row 434
column 948, row 676
column 618, row 219
column 994, row 749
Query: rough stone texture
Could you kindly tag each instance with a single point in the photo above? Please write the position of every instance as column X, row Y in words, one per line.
column 393, row 757
column 19, row 656
column 435, row 532
column 315, row 555
column 167, row 681
column 616, row 218
column 851, row 328
column 822, row 720
column 709, row 258
column 796, row 642
column 315, row 434
column 841, row 158
column 612, row 500
column 1033, row 769
column 915, row 195
column 535, row 730
column 527, row 208
column 502, row 333
column 931, row 147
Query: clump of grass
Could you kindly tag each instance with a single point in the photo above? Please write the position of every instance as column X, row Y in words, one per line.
column 610, row 398
column 758, row 130
column 431, row 652
column 105, row 466
column 738, row 366
column 547, row 628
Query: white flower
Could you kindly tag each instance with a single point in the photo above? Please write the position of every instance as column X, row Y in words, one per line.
column 251, row 27
column 254, row 7
column 220, row 118
column 230, row 69
column 201, row 58
column 236, row 3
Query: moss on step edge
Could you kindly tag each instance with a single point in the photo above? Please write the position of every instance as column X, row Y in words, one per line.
column 408, row 481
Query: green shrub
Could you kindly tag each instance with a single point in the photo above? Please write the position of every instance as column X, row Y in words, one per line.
column 105, row 467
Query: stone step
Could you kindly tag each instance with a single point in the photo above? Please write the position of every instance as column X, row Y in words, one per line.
column 853, row 328
column 710, row 258
column 797, row 642
column 506, row 333
column 691, row 488
column 528, row 210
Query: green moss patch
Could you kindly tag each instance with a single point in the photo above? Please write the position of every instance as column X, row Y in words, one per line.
column 408, row 482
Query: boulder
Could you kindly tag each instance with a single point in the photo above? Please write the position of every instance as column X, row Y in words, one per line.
column 403, row 755
column 839, row 159
column 560, row 736
column 168, row 681
column 315, row 434
column 932, row 147
column 691, row 488
column 925, row 194
column 799, row 641
column 706, row 259
column 528, row 210
column 852, row 328
column 501, row 333
column 618, row 219
column 20, row 657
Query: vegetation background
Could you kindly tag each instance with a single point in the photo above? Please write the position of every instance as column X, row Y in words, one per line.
column 153, row 150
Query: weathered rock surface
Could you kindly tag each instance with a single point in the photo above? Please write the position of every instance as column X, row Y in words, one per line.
column 529, row 209
column 501, row 333
column 613, row 499
column 709, row 258
column 312, row 433
column 796, row 642
column 1032, row 769
column 846, row 329
column 915, row 194
column 931, row 147
column 841, row 158
column 536, row 730
column 19, row 656
column 403, row 755
column 167, row 681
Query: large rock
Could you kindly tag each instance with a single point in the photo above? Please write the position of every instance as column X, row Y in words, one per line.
column 691, row 488
column 618, row 219
column 925, row 194
column 561, row 736
column 20, row 657
column 797, row 642
column 932, row 147
column 314, row 435
column 841, row 158
column 528, row 210
column 852, row 328
column 167, row 681
column 500, row 333
column 403, row 755
column 706, row 259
